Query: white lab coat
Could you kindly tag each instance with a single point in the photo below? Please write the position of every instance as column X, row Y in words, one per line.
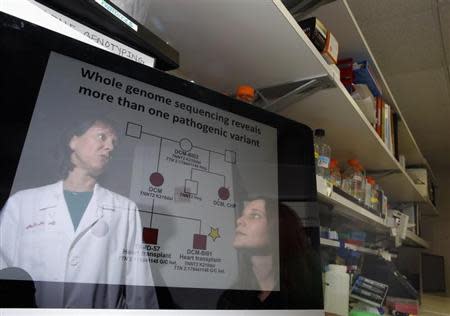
column 82, row 268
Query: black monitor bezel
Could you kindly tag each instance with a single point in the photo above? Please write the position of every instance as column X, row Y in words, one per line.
column 27, row 47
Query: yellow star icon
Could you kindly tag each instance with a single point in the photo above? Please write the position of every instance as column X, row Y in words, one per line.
column 214, row 233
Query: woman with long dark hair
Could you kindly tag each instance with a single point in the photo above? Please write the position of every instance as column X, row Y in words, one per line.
column 276, row 261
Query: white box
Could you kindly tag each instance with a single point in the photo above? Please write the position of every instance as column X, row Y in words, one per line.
column 365, row 101
column 420, row 179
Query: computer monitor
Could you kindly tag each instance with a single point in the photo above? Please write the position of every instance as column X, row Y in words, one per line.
column 123, row 186
column 383, row 271
column 433, row 273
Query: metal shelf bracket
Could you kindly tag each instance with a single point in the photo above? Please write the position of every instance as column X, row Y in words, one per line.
column 276, row 98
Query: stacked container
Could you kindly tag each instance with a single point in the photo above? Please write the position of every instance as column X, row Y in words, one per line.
column 354, row 180
column 335, row 174
column 322, row 154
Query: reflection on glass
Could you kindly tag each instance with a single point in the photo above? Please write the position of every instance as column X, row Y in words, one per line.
column 72, row 236
column 285, row 273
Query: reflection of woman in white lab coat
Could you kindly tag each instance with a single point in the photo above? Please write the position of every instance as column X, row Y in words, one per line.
column 79, row 241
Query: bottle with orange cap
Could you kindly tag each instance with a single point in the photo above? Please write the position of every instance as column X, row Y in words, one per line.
column 354, row 180
column 246, row 94
column 335, row 173
column 372, row 192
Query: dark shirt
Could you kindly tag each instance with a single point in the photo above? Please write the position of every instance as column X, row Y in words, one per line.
column 300, row 288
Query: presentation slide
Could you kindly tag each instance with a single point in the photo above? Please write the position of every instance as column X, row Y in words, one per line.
column 122, row 182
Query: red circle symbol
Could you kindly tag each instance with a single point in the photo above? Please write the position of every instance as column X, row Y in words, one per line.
column 156, row 179
column 224, row 193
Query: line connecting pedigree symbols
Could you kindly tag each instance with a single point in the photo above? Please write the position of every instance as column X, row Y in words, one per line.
column 190, row 186
column 156, row 178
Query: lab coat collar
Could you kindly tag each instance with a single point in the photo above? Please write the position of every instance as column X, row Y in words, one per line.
column 55, row 206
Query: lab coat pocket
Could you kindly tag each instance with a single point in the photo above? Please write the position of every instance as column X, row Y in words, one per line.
column 42, row 253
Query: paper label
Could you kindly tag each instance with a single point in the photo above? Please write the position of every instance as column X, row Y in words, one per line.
column 323, row 162
column 117, row 14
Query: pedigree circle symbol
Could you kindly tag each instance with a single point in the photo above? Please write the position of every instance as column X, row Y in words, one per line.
column 224, row 193
column 156, row 179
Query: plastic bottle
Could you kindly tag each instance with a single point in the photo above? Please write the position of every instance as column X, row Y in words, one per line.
column 382, row 201
column 368, row 190
column 322, row 153
column 335, row 173
column 337, row 289
column 354, row 180
column 246, row 94
column 374, row 191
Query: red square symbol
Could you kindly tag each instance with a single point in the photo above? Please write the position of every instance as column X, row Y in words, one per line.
column 150, row 236
column 199, row 242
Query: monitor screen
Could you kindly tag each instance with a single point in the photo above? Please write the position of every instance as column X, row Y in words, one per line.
column 126, row 187
column 433, row 273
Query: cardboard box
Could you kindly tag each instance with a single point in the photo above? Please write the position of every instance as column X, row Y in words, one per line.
column 316, row 32
column 331, row 49
column 322, row 38
column 362, row 72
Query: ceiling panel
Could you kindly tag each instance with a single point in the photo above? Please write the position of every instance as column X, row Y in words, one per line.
column 423, row 99
column 408, row 43
column 369, row 11
column 419, row 89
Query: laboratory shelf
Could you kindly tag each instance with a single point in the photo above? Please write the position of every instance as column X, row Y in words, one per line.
column 227, row 47
column 355, row 212
column 428, row 209
column 233, row 48
column 222, row 46
column 351, row 135
column 415, row 241
column 399, row 187
column 338, row 17
column 338, row 244
column 349, row 209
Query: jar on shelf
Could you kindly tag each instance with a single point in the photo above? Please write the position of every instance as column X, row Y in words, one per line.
column 322, row 154
column 372, row 192
column 335, row 173
column 354, row 180
column 367, row 191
